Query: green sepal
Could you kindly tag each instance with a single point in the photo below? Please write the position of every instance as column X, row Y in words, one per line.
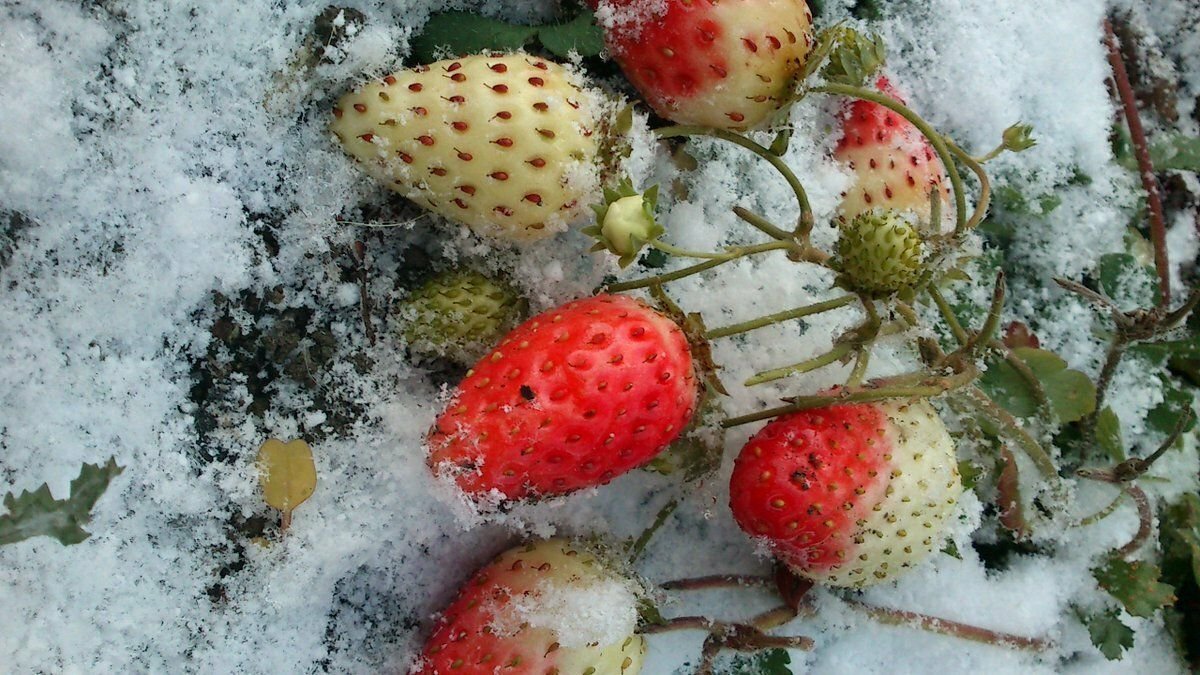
column 1019, row 137
column 854, row 58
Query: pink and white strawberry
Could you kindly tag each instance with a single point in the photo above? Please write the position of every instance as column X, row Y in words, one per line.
column 894, row 165
column 850, row 494
column 505, row 144
column 536, row 609
column 570, row 399
column 727, row 64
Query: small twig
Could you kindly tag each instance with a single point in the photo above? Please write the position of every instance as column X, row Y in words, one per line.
column 992, row 323
column 1158, row 227
column 899, row 617
column 762, row 224
column 985, row 185
column 838, row 352
column 1102, row 513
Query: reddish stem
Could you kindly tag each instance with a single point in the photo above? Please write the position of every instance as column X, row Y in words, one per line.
column 952, row 628
column 1158, row 227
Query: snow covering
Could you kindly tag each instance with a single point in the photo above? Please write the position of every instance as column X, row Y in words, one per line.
column 168, row 184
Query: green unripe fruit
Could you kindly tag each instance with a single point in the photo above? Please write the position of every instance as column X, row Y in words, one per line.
column 880, row 252
column 459, row 315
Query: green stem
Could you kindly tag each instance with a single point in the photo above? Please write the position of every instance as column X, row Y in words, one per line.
column 860, row 367
column 929, row 387
column 684, row 253
column 778, row 317
column 992, row 323
column 935, row 139
column 805, row 224
column 985, row 406
column 695, row 269
column 806, row 366
column 960, row 334
column 762, row 224
column 1102, row 513
column 985, row 185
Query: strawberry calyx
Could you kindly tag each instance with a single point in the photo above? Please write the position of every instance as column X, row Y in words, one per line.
column 625, row 221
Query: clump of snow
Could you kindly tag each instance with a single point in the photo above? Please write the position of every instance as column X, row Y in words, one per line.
column 600, row 611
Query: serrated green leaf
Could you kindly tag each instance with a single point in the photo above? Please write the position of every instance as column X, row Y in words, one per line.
column 769, row 662
column 38, row 513
column 580, row 35
column 1126, row 281
column 1168, row 151
column 461, row 33
column 1072, row 394
column 1108, row 435
column 1109, row 634
column 1135, row 585
column 653, row 259
column 1168, row 349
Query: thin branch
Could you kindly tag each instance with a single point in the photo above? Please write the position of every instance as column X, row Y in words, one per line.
column 778, row 317
column 762, row 224
column 697, row 268
column 985, row 185
column 947, row 312
column 637, row 547
column 1158, row 227
column 717, row 581
column 899, row 617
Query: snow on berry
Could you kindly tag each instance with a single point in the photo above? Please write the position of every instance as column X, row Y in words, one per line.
column 850, row 494
column 571, row 398
column 506, row 145
column 727, row 64
column 894, row 165
column 544, row 607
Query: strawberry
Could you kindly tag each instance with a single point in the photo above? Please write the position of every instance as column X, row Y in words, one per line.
column 728, row 64
column 849, row 494
column 879, row 252
column 894, row 165
column 534, row 610
column 503, row 144
column 569, row 399
column 459, row 315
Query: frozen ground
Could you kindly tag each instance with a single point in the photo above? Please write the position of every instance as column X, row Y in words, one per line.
column 166, row 187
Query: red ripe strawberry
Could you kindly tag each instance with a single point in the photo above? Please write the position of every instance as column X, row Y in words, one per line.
column 894, row 165
column 534, row 610
column 569, row 399
column 727, row 64
column 851, row 494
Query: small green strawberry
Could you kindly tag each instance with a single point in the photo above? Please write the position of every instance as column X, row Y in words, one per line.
column 880, row 252
column 459, row 315
column 625, row 222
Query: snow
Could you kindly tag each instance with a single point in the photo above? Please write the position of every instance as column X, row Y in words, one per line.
column 172, row 169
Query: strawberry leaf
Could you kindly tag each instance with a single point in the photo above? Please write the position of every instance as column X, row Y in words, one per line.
column 1126, row 281
column 38, row 513
column 1109, row 634
column 1108, row 435
column 1135, row 585
column 460, row 33
column 1163, row 417
column 1072, row 394
column 580, row 35
column 1179, row 531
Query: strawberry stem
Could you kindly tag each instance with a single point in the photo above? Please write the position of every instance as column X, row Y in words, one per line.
column 1102, row 513
column 779, row 317
column 956, row 328
column 805, row 366
column 862, row 358
column 717, row 581
column 935, row 139
column 984, row 406
column 733, row 254
column 874, row 390
column 637, row 547
column 899, row 617
column 805, row 222
column 684, row 253
column 992, row 323
column 761, row 223
column 985, row 185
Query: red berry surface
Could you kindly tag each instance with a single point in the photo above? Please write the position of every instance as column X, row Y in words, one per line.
column 848, row 494
column 571, row 398
column 727, row 64
column 894, row 165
